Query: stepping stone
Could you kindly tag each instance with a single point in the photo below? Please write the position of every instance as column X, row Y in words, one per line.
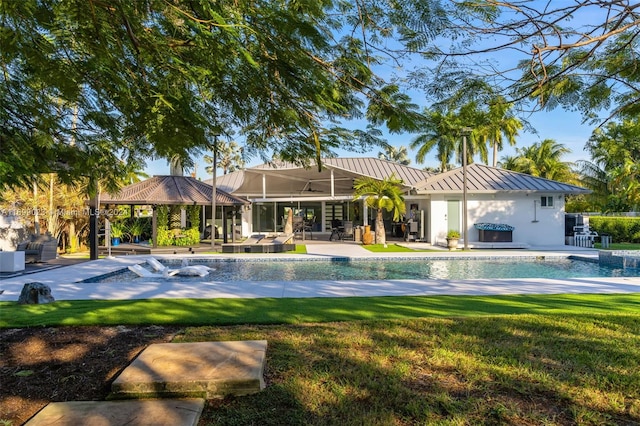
column 204, row 369
column 167, row 412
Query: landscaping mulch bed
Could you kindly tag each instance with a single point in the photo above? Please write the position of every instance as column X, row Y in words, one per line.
column 42, row 365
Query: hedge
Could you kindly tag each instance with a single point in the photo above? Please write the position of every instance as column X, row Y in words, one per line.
column 621, row 229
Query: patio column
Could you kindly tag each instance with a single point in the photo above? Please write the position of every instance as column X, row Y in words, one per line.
column 154, row 225
column 332, row 185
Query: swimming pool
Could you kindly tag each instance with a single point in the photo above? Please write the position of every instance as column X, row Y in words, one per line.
column 386, row 269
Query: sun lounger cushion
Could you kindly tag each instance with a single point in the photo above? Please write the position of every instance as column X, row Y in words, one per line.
column 141, row 272
column 155, row 264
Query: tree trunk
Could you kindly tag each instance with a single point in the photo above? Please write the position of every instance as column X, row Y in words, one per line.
column 380, row 233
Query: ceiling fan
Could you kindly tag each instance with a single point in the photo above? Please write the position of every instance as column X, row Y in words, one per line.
column 307, row 188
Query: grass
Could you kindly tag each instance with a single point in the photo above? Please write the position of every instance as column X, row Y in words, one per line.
column 306, row 310
column 497, row 370
column 391, row 248
column 441, row 360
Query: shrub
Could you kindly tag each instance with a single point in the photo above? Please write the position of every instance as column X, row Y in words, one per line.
column 621, row 229
column 165, row 237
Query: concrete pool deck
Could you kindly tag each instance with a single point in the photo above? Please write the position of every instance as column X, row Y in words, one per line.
column 65, row 281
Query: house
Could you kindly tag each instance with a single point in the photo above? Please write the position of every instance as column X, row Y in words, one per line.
column 533, row 206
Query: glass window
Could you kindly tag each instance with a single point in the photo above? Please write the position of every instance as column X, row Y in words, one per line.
column 546, row 202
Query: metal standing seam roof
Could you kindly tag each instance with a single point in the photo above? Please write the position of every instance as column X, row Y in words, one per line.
column 378, row 169
column 170, row 190
column 368, row 166
column 482, row 178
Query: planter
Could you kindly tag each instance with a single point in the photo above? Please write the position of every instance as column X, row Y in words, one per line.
column 367, row 236
column 115, row 241
column 452, row 243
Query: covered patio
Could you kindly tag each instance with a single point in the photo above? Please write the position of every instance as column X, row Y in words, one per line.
column 320, row 197
column 179, row 191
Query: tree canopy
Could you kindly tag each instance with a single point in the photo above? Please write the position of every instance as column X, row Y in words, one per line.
column 580, row 55
column 613, row 174
column 85, row 83
column 543, row 159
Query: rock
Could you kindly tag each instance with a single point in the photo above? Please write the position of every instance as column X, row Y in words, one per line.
column 35, row 293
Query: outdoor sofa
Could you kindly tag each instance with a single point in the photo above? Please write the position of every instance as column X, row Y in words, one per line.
column 39, row 249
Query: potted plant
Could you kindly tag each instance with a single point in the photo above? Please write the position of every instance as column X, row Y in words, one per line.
column 116, row 230
column 452, row 239
column 136, row 229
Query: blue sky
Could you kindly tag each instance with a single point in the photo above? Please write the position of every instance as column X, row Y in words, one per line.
column 562, row 126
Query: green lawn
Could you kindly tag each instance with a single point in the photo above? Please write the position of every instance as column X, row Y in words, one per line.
column 306, row 310
column 390, row 248
column 482, row 370
column 443, row 360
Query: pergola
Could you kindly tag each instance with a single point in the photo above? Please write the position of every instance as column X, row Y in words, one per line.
column 170, row 190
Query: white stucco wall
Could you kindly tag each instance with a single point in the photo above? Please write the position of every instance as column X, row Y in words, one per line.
column 543, row 227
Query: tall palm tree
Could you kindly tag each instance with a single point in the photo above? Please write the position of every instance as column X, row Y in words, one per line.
column 440, row 131
column 396, row 155
column 498, row 122
column 443, row 132
column 542, row 159
column 470, row 116
column 381, row 195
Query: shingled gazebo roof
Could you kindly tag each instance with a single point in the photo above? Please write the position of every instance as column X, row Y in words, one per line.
column 170, row 190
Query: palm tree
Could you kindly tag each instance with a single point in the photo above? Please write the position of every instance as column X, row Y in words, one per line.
column 440, row 131
column 381, row 195
column 596, row 178
column 396, row 155
column 443, row 130
column 543, row 160
column 229, row 158
column 499, row 122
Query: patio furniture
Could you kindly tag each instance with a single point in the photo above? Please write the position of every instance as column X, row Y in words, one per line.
column 347, row 231
column 337, row 229
column 40, row 249
column 241, row 247
column 300, row 226
column 11, row 261
column 279, row 244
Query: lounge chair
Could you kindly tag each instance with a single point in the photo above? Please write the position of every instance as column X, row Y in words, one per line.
column 155, row 264
column 277, row 245
column 160, row 270
column 240, row 247
column 143, row 272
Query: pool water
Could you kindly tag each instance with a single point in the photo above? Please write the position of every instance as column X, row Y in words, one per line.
column 340, row 270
